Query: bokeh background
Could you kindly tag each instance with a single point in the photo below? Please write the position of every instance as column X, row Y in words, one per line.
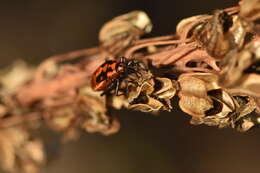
column 35, row 29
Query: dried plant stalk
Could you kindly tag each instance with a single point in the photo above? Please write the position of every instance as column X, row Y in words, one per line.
column 211, row 64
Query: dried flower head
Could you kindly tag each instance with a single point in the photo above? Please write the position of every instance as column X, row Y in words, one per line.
column 153, row 95
column 222, row 33
column 123, row 30
column 194, row 98
column 239, row 70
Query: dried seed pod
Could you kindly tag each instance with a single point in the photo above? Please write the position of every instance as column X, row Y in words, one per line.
column 146, row 87
column 229, row 111
column 240, row 71
column 7, row 153
column 165, row 90
column 207, row 103
column 51, row 70
column 8, row 76
column 140, row 98
column 228, row 103
column 3, row 110
column 243, row 117
column 60, row 118
column 247, row 122
column 33, row 150
column 222, row 33
column 92, row 109
column 194, row 99
column 218, row 115
column 246, row 105
column 211, row 34
column 121, row 31
column 238, row 31
column 88, row 112
column 248, row 84
column 256, row 102
column 186, row 26
column 236, row 63
column 202, row 98
column 250, row 9
column 20, row 151
column 146, row 103
column 153, row 95
column 135, row 21
column 118, row 102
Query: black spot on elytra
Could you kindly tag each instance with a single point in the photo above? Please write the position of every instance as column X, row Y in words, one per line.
column 109, row 62
column 117, row 65
column 109, row 69
column 101, row 77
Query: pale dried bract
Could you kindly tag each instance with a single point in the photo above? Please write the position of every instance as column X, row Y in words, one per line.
column 20, row 151
column 122, row 31
column 152, row 94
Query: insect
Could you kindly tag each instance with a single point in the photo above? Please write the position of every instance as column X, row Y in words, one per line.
column 109, row 75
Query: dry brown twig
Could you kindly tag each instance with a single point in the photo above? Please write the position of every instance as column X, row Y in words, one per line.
column 212, row 64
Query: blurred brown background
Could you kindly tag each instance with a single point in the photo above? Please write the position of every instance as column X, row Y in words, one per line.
column 35, row 29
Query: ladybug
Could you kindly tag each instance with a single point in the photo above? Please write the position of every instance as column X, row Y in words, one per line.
column 109, row 75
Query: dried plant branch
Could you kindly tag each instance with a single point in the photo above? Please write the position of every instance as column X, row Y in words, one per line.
column 212, row 64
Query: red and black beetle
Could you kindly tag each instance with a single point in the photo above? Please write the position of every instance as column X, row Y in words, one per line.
column 109, row 75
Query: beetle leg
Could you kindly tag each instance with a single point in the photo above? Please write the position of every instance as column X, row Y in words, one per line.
column 107, row 91
column 127, row 85
column 138, row 74
column 125, row 92
column 104, row 92
column 117, row 86
column 132, row 81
